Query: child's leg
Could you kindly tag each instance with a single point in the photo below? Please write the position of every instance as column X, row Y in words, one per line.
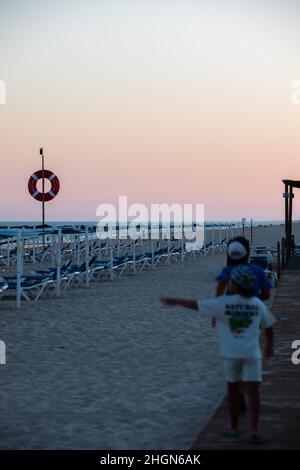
column 254, row 405
column 233, row 401
column 242, row 398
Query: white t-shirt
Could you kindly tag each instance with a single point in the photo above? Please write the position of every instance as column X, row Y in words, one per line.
column 239, row 323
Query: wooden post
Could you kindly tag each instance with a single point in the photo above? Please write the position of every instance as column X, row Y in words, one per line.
column 293, row 245
column 278, row 260
column 283, row 251
column 286, row 200
column 291, row 195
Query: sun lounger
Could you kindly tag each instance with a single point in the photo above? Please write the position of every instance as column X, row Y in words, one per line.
column 32, row 287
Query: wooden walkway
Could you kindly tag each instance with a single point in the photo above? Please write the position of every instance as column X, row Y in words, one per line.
column 280, row 392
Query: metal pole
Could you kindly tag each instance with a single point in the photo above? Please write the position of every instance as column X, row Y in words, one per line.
column 182, row 243
column 19, row 269
column 152, row 254
column 86, row 245
column 43, row 192
column 133, row 255
column 34, row 245
column 78, row 250
column 58, row 262
column 43, row 186
column 118, row 240
column 111, row 258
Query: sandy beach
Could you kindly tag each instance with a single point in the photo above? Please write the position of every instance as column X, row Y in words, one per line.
column 109, row 367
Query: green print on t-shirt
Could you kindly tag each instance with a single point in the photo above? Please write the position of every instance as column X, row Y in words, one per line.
column 237, row 322
column 240, row 316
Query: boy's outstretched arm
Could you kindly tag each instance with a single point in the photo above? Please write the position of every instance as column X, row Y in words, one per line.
column 173, row 301
column 269, row 346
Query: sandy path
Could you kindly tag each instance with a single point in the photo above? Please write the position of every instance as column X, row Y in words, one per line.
column 109, row 367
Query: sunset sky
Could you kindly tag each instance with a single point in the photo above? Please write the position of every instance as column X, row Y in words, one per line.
column 161, row 100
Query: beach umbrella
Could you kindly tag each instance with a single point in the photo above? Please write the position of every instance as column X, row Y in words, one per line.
column 42, row 226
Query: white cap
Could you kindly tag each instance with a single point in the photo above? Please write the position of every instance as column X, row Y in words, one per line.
column 236, row 250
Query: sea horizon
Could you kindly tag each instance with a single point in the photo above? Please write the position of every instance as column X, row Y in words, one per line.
column 89, row 222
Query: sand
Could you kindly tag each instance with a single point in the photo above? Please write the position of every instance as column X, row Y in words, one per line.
column 109, row 367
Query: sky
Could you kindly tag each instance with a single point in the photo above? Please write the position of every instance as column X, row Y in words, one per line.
column 164, row 101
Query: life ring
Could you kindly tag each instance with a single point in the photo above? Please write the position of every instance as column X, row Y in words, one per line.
column 32, row 185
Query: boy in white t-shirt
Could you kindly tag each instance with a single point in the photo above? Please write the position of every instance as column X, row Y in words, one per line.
column 239, row 320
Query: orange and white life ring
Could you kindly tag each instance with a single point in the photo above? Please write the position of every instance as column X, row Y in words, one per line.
column 32, row 185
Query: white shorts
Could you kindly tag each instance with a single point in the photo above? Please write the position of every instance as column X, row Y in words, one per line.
column 244, row 370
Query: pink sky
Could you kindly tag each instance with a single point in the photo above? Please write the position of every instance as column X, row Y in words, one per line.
column 189, row 104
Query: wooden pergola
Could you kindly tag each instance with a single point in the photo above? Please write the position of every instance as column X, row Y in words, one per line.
column 288, row 194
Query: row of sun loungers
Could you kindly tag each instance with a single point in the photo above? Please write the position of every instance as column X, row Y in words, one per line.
column 52, row 280
column 70, row 250
column 99, row 266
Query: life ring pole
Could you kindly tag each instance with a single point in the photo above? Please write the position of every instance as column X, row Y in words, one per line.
column 43, row 184
column 43, row 192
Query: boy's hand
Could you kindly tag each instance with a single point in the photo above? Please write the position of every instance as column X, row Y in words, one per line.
column 168, row 301
column 269, row 352
column 173, row 302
